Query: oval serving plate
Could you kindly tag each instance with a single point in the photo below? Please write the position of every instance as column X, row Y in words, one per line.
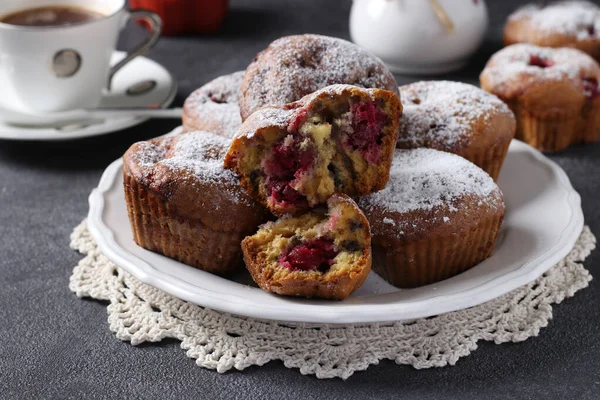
column 542, row 222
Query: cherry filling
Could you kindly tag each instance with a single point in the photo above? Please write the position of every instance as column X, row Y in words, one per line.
column 288, row 160
column 216, row 98
column 367, row 124
column 590, row 88
column 313, row 255
column 591, row 30
column 286, row 163
column 541, row 62
column 283, row 194
column 300, row 118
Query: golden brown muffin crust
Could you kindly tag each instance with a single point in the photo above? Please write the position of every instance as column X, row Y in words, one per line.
column 295, row 66
column 521, row 70
column 187, row 172
column 553, row 93
column 182, row 203
column 451, row 116
column 561, row 24
column 438, row 216
column 457, row 118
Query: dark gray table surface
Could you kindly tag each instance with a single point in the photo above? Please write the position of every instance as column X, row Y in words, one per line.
column 54, row 345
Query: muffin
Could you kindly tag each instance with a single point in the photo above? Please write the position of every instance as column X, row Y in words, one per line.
column 457, row 118
column 295, row 66
column 562, row 24
column 438, row 216
column 183, row 204
column 552, row 92
column 337, row 140
column 324, row 253
column 214, row 107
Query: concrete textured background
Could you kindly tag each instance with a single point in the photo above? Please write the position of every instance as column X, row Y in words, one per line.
column 54, row 345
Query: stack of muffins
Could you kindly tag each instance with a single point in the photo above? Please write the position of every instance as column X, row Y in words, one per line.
column 308, row 169
column 548, row 74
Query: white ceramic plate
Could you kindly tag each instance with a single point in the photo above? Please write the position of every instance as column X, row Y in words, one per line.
column 138, row 70
column 543, row 220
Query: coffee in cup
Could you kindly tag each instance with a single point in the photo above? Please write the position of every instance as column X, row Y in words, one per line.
column 50, row 16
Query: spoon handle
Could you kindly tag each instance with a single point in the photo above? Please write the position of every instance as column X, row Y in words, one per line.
column 142, row 113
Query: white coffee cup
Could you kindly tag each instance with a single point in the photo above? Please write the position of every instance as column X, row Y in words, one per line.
column 64, row 67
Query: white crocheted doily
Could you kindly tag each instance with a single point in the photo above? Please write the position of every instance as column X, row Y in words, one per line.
column 140, row 313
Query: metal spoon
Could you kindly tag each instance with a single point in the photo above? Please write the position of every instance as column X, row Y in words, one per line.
column 98, row 116
column 108, row 113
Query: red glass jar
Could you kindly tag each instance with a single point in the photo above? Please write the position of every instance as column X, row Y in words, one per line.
column 186, row 16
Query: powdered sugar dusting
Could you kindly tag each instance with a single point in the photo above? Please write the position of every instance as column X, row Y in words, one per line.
column 215, row 105
column 148, row 153
column 282, row 116
column 273, row 116
column 337, row 89
column 268, row 116
column 578, row 19
column 389, row 221
column 225, row 117
column 424, row 179
column 224, row 89
column 509, row 70
column 295, row 66
column 198, row 153
column 443, row 112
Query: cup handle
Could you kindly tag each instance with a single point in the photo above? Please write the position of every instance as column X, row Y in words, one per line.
column 155, row 23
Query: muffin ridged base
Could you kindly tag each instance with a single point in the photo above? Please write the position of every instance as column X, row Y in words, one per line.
column 413, row 263
column 157, row 227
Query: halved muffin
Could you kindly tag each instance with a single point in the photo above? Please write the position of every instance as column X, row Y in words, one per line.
column 323, row 253
column 337, row 140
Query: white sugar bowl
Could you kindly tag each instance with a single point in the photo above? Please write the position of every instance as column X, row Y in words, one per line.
column 420, row 36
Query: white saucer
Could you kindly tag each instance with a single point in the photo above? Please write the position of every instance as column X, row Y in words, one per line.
column 139, row 70
column 542, row 223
